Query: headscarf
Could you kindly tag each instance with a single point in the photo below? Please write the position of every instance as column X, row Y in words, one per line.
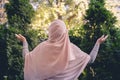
column 50, row 57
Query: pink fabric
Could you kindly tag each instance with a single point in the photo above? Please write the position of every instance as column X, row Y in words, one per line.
column 75, row 67
column 52, row 57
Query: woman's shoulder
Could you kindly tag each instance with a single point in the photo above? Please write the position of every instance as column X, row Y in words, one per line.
column 74, row 46
column 42, row 43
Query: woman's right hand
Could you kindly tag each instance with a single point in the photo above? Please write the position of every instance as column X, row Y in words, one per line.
column 102, row 39
column 20, row 37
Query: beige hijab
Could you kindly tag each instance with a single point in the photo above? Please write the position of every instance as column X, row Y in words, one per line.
column 50, row 57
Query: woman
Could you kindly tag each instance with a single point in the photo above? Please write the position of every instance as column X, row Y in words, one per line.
column 56, row 58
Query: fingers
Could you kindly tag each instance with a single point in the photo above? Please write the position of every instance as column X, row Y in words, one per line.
column 104, row 38
column 17, row 35
column 21, row 36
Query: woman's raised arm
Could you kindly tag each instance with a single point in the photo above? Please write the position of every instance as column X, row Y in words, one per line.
column 95, row 49
column 25, row 44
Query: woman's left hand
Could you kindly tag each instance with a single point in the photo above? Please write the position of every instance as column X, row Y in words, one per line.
column 20, row 37
column 102, row 39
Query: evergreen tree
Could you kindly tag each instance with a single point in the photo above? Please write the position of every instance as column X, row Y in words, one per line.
column 3, row 51
column 19, row 14
column 101, row 21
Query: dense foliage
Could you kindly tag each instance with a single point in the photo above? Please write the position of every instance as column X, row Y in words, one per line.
column 101, row 21
column 3, row 52
column 19, row 14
